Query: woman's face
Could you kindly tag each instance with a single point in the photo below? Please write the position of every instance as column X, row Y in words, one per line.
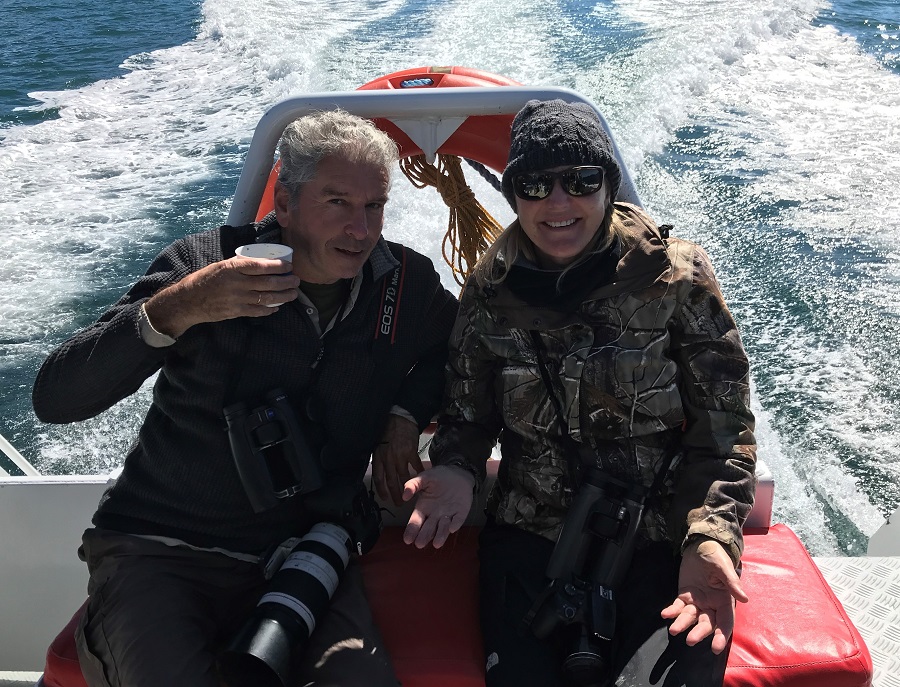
column 561, row 226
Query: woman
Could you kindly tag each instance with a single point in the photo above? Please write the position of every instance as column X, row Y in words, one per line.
column 602, row 354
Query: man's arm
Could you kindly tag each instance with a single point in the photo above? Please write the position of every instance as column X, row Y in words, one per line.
column 421, row 392
column 236, row 287
column 395, row 455
column 110, row 359
column 418, row 398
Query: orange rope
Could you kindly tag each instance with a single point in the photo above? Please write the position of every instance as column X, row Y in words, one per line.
column 471, row 229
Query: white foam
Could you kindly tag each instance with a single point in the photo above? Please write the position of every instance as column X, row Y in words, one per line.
column 796, row 112
column 794, row 504
column 802, row 103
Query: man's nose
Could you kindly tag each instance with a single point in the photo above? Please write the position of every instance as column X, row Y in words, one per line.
column 358, row 225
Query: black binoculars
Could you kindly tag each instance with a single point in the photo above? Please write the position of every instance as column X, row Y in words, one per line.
column 588, row 563
column 271, row 454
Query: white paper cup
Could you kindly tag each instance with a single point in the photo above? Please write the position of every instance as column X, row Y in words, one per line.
column 272, row 251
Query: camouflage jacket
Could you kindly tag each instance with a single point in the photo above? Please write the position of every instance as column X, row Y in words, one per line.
column 649, row 368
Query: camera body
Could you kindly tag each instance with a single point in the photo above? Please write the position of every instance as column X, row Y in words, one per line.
column 271, row 455
column 591, row 556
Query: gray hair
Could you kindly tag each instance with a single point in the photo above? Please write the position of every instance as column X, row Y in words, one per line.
column 308, row 140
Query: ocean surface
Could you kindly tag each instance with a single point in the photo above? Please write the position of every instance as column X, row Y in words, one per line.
column 766, row 130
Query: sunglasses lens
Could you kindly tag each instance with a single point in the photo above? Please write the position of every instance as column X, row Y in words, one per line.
column 533, row 186
column 578, row 181
column 582, row 182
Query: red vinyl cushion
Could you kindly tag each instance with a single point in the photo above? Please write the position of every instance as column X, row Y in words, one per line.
column 793, row 633
column 63, row 669
column 425, row 603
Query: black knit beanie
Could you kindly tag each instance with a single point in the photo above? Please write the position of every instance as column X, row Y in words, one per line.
column 553, row 133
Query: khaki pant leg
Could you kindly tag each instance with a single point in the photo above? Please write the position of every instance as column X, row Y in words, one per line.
column 153, row 616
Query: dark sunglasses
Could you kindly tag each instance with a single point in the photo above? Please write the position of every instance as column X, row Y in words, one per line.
column 577, row 181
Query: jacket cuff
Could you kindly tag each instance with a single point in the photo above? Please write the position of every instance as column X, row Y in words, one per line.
column 458, row 462
column 707, row 530
column 404, row 413
column 149, row 333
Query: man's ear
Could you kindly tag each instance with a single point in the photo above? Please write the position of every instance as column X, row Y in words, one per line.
column 282, row 201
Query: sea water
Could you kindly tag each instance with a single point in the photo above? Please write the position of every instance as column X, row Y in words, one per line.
column 765, row 130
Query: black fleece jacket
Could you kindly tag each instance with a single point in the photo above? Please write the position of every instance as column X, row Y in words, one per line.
column 179, row 479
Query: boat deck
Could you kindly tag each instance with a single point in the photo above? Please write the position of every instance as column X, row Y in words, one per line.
column 869, row 589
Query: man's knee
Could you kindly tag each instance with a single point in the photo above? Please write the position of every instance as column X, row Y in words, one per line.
column 123, row 652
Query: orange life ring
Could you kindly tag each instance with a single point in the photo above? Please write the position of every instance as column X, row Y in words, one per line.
column 484, row 138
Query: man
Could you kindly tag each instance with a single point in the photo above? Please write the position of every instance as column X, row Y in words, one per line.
column 175, row 555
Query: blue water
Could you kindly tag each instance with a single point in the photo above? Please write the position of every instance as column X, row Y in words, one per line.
column 57, row 44
column 771, row 138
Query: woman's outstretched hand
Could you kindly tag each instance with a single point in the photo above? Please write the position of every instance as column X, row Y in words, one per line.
column 445, row 498
column 707, row 589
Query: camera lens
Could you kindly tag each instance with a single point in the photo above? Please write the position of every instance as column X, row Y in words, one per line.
column 584, row 668
column 587, row 664
column 310, row 574
column 286, row 615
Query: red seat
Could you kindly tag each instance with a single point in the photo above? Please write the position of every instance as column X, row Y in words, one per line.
column 793, row 633
column 426, row 606
column 62, row 669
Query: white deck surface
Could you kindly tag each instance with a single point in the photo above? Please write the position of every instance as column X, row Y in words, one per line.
column 869, row 589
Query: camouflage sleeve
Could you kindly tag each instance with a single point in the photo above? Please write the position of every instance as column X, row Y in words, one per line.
column 470, row 422
column 716, row 480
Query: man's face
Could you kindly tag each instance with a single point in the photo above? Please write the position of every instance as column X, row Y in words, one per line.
column 336, row 220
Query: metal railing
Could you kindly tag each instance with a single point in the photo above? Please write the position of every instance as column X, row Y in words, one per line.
column 17, row 458
column 431, row 109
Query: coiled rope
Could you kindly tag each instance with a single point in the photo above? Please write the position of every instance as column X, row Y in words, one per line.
column 471, row 229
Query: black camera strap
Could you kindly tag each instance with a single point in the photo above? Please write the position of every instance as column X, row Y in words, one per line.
column 388, row 319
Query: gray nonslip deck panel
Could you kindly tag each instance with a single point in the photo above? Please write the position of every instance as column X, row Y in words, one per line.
column 869, row 589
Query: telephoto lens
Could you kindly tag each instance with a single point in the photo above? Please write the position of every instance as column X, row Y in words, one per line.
column 588, row 664
column 299, row 593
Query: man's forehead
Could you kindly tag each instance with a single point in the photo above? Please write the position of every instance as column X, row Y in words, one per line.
column 347, row 162
column 335, row 176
